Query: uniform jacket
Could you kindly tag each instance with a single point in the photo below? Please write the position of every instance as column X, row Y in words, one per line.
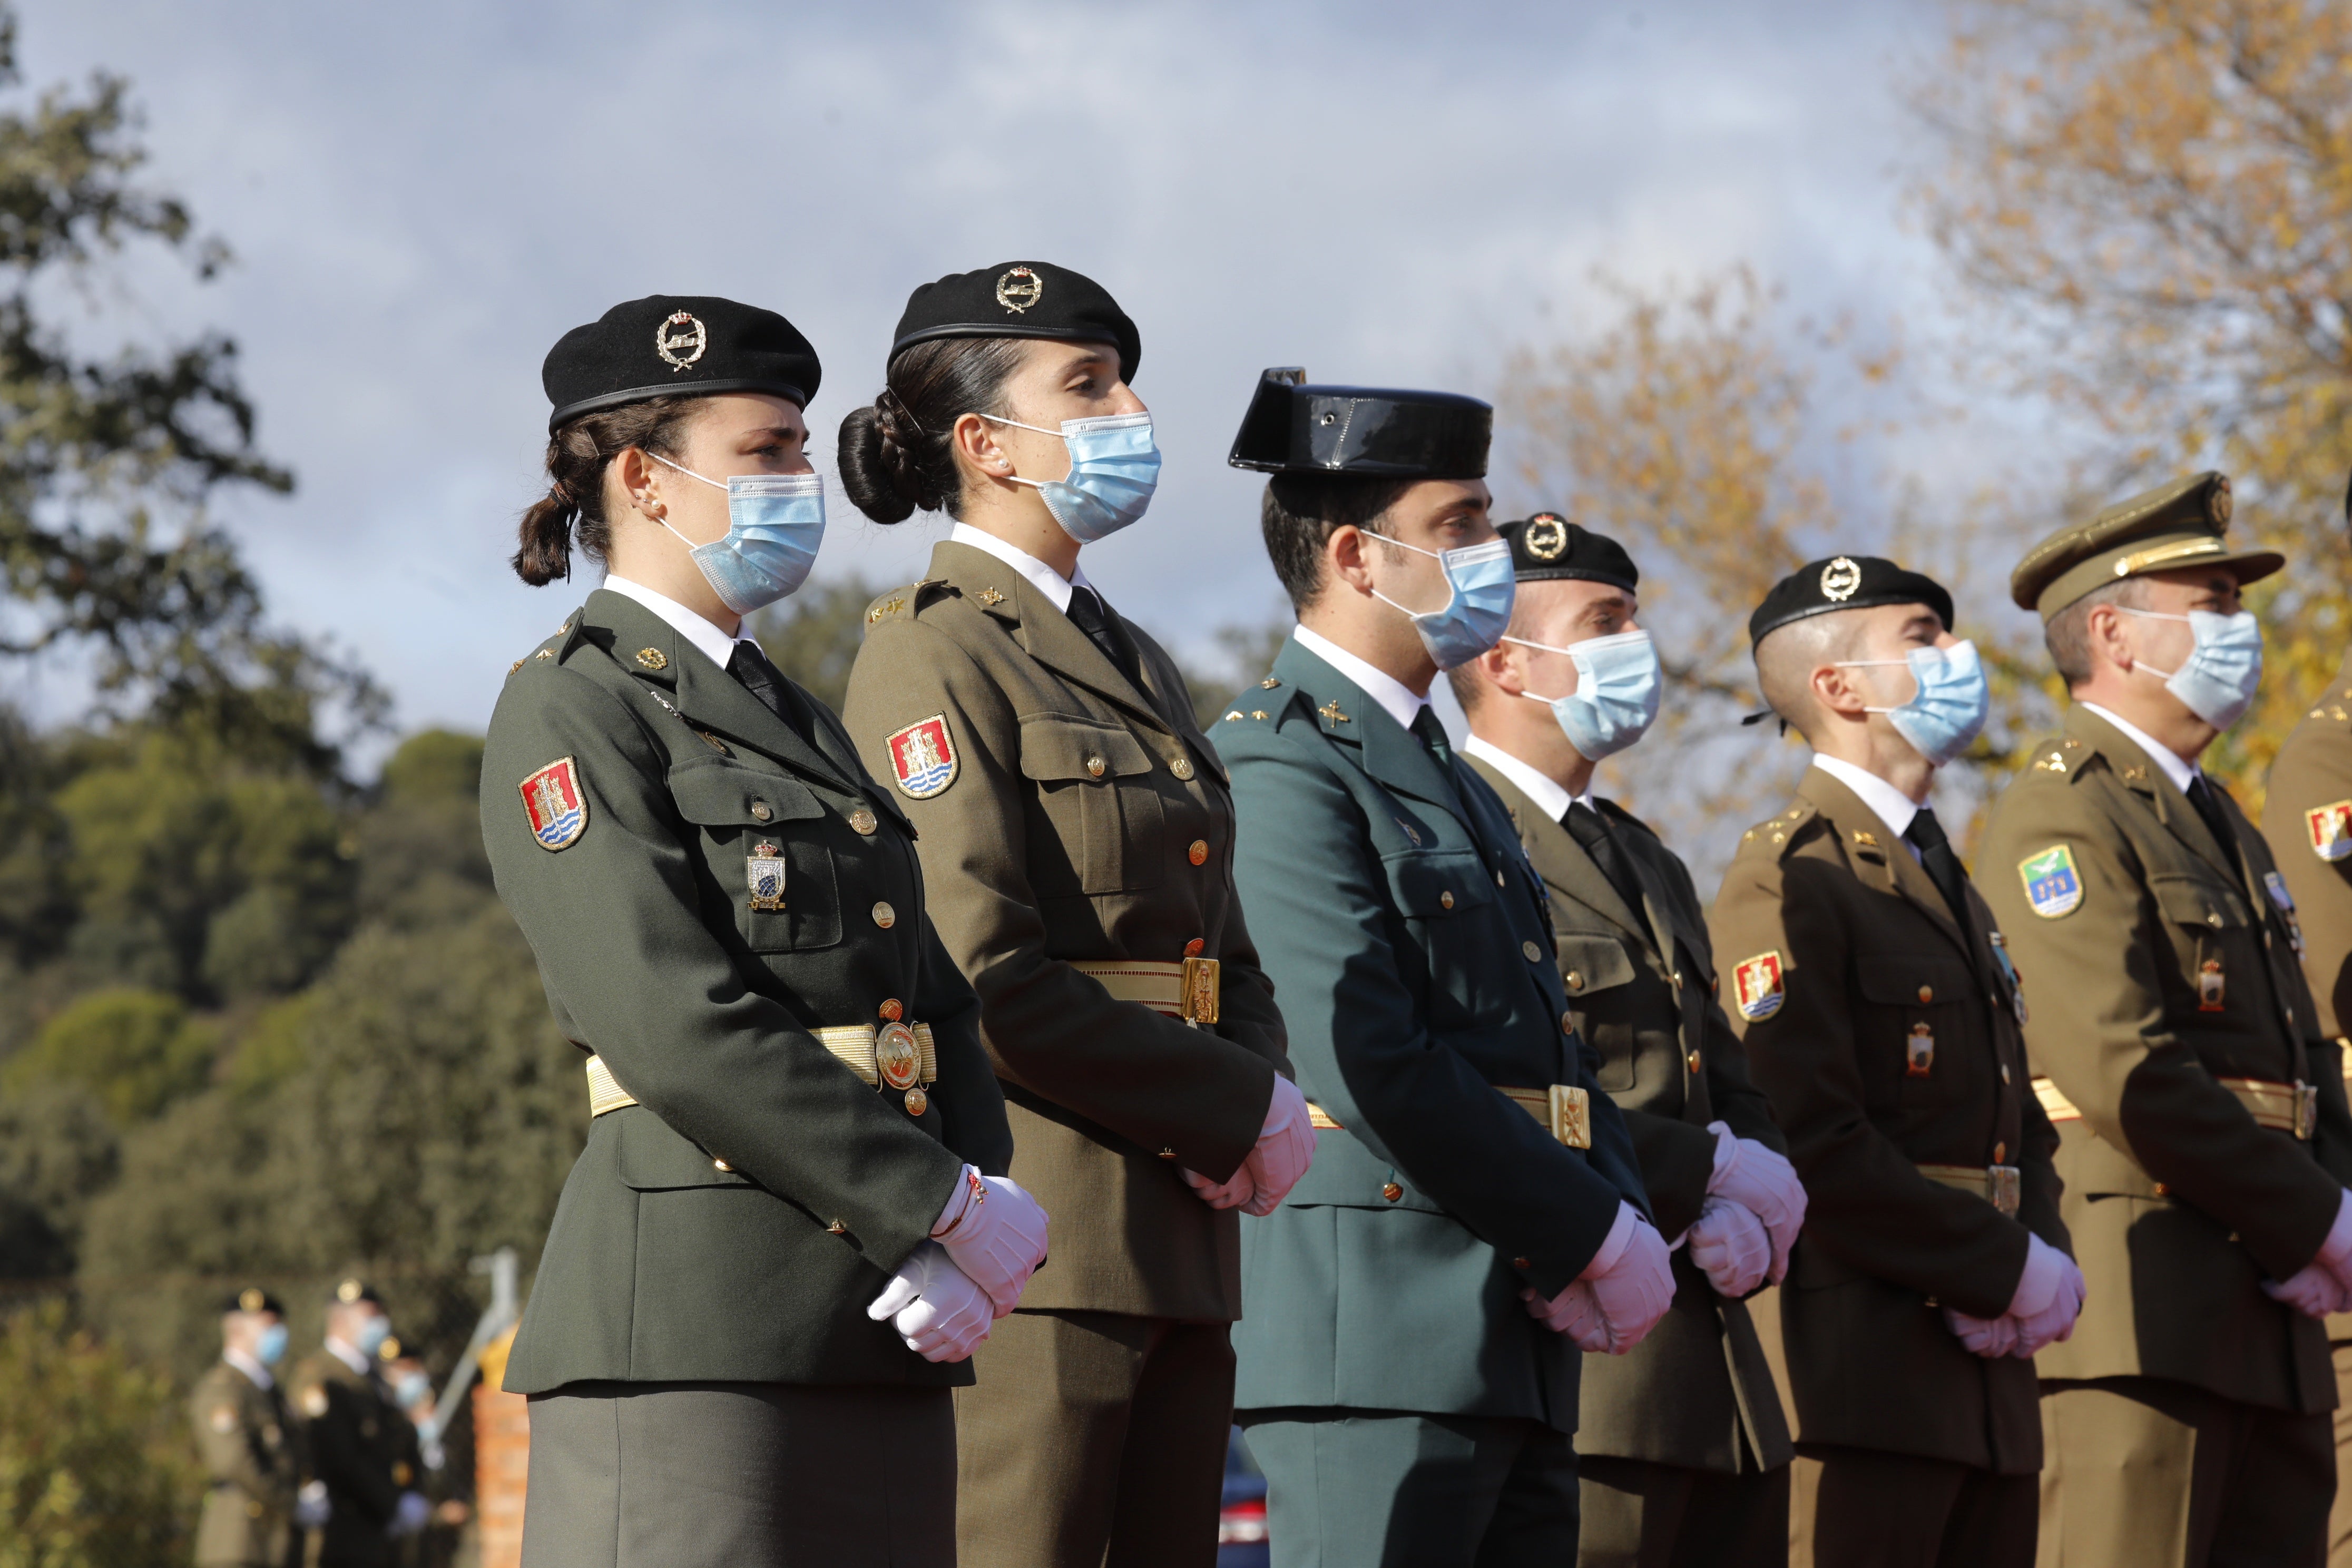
column 1407, row 939
column 1836, row 949
column 1081, row 819
column 693, row 1240
column 2115, row 896
column 1697, row 1392
column 252, row 1457
column 364, row 1450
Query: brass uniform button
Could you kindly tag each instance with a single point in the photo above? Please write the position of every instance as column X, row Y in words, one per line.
column 1694, row 1063
column 1567, row 1023
column 862, row 821
column 1168, row 1153
column 2213, row 919
column 885, row 916
column 1390, row 1190
column 891, row 1011
column 761, row 811
column 1926, row 995
column 1521, row 1263
column 2162, row 1191
column 1093, row 767
column 1181, row 767
column 1534, row 953
column 1999, row 1154
column 916, row 1100
column 1195, row 948
column 2004, row 1078
column 1199, row 852
column 719, row 1165
column 1574, row 979
column 837, row 1228
column 1498, row 878
column 1445, row 899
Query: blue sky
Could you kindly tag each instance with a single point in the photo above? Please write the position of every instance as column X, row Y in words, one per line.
column 422, row 198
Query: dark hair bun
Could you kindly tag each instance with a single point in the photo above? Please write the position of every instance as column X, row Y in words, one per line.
column 877, row 469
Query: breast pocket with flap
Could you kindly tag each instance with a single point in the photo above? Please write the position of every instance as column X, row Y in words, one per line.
column 1095, row 785
column 742, row 814
column 1923, row 1031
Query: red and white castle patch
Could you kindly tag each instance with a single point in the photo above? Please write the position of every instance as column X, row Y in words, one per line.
column 923, row 758
column 1757, row 986
column 2331, row 829
column 556, row 805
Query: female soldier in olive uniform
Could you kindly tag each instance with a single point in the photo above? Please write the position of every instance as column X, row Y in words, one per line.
column 1079, row 835
column 742, row 1334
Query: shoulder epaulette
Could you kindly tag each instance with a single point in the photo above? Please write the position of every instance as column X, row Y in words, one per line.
column 2066, row 756
column 905, row 603
column 1259, row 704
column 556, row 648
column 1776, row 835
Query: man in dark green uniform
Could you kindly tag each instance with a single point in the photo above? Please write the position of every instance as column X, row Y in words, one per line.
column 1681, row 1444
column 361, row 1447
column 1405, row 1372
column 247, row 1441
column 2201, row 1109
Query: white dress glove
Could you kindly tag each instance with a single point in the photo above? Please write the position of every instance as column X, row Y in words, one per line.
column 2055, row 1322
column 936, row 1307
column 2324, row 1285
column 1988, row 1337
column 311, row 1506
column 996, row 1234
column 1765, row 1185
column 1627, row 1286
column 1731, row 1247
column 1285, row 1147
column 411, row 1516
column 1572, row 1312
column 1229, row 1194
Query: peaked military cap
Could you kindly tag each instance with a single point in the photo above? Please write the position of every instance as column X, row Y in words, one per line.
column 348, row 1291
column 253, row 1299
column 1292, row 427
column 1019, row 299
column 1845, row 582
column 1547, row 546
column 2163, row 529
column 667, row 345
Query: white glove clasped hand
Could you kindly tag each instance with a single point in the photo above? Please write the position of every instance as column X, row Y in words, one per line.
column 2324, row 1285
column 935, row 1305
column 1731, row 1247
column 1622, row 1293
column 2042, row 1312
column 1284, row 1148
column 996, row 1234
column 1763, row 1182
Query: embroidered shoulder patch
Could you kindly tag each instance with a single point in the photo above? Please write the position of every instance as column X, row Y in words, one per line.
column 923, row 758
column 553, row 801
column 2330, row 827
column 1756, row 985
column 2051, row 884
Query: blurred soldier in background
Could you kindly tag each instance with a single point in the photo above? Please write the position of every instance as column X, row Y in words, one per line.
column 252, row 1454
column 361, row 1447
column 443, row 1457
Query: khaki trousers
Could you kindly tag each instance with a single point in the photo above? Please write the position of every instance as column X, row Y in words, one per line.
column 2339, row 1518
column 2146, row 1472
column 1093, row 1440
column 1637, row 1514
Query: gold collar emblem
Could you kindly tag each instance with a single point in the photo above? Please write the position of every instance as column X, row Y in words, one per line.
column 1546, row 536
column 1840, row 579
column 1019, row 288
column 679, row 349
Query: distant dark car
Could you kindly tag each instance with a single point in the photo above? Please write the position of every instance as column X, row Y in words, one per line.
column 1241, row 1525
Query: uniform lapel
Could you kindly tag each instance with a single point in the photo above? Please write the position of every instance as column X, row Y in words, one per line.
column 1391, row 754
column 1045, row 633
column 1559, row 860
column 1880, row 858
column 2141, row 775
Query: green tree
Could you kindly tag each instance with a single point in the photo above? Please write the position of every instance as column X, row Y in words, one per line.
column 136, row 1051
column 813, row 635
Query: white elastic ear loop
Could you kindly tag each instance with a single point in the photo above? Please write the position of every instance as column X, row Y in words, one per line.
column 1864, row 663
column 1566, row 653
column 2160, row 616
column 1437, row 555
column 1016, row 478
column 690, row 474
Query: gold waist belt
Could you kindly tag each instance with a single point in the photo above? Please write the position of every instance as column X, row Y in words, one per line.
column 1186, row 988
column 1564, row 1110
column 911, row 1058
column 1997, row 1184
column 2289, row 1107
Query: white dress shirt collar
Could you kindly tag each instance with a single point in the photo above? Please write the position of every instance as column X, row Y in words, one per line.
column 1543, row 792
column 1042, row 577
column 1892, row 806
column 1383, row 688
column 348, row 1354
column 715, row 645
column 255, row 1372
column 2182, row 773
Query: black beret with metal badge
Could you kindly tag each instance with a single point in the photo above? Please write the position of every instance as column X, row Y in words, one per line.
column 1547, row 547
column 253, row 1299
column 670, row 346
column 1378, row 432
column 350, row 1291
column 1845, row 582
column 2164, row 530
column 1019, row 299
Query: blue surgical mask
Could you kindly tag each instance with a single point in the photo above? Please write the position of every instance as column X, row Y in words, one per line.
column 2224, row 667
column 412, row 1388
column 1618, row 684
column 271, row 1348
column 774, row 524
column 1948, row 709
column 1114, row 468
column 372, row 1331
column 1480, row 589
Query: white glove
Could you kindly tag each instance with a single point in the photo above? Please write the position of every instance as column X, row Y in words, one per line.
column 2336, row 1252
column 1729, row 1245
column 1631, row 1282
column 2056, row 1321
column 996, row 1234
column 1572, row 1312
column 1229, row 1194
column 1285, row 1147
column 2313, row 1290
column 1991, row 1337
column 935, row 1305
column 411, row 1515
column 1765, row 1185
column 310, row 1506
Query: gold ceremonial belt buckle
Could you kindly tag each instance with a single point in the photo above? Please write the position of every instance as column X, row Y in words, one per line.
column 1997, row 1184
column 1188, row 989
column 1203, row 983
column 2003, row 1188
column 2306, row 1110
column 1321, row 1119
column 1565, row 1111
column 2289, row 1107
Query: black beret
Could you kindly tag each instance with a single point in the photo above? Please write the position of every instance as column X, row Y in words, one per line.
column 1292, row 427
column 1019, row 300
column 1845, row 582
column 665, row 344
column 253, row 1299
column 1547, row 546
column 349, row 1291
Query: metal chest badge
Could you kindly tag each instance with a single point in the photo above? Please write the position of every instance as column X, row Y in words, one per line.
column 2330, row 827
column 764, row 869
column 2275, row 885
column 1919, row 1051
column 1758, row 986
column 555, row 806
column 2051, row 884
column 2009, row 972
column 923, row 758
column 2212, row 987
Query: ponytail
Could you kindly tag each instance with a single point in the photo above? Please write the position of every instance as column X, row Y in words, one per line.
column 578, row 453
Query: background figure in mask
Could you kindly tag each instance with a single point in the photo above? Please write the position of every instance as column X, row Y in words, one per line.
column 1882, row 1020
column 1681, row 1449
column 790, row 1223
column 1476, row 1218
column 249, row 1443
column 362, row 1450
column 1079, row 839
column 2206, row 1136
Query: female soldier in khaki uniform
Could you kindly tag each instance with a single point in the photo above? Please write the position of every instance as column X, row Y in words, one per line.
column 1078, row 835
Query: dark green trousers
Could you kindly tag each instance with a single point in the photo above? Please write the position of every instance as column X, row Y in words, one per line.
column 2152, row 1473
column 1351, row 1489
column 1637, row 1514
column 1094, row 1440
column 740, row 1475
column 1897, row 1511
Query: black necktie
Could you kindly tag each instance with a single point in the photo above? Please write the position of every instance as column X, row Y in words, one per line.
column 747, row 664
column 1089, row 614
column 1589, row 828
column 1432, row 734
column 1935, row 858
column 2209, row 806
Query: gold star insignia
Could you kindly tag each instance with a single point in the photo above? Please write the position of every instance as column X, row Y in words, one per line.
column 1270, row 682
column 1331, row 714
column 991, row 597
